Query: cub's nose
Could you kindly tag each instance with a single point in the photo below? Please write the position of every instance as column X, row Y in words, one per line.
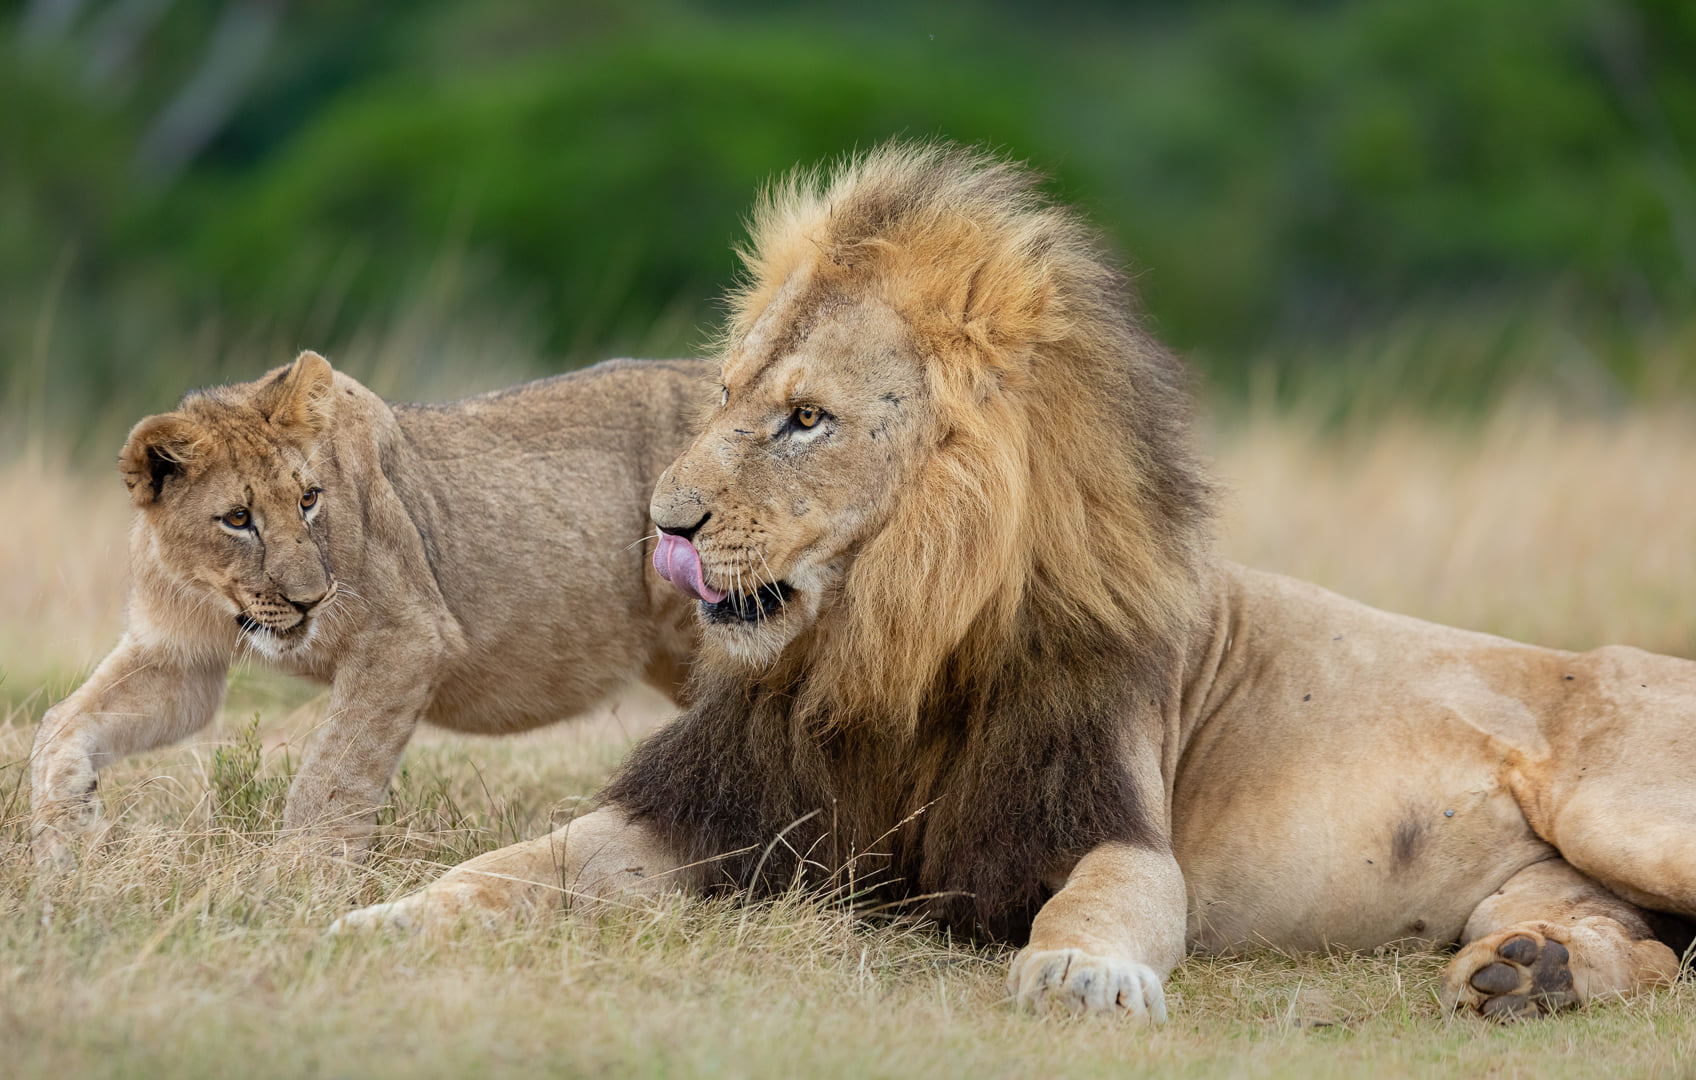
column 305, row 604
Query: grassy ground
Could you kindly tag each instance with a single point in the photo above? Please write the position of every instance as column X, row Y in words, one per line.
column 182, row 949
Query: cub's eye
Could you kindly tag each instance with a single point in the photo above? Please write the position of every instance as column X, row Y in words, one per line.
column 808, row 415
column 310, row 499
column 238, row 519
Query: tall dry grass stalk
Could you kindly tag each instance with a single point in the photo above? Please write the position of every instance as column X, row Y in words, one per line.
column 1561, row 530
column 185, row 945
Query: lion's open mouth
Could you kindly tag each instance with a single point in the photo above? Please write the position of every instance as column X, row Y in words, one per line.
column 762, row 603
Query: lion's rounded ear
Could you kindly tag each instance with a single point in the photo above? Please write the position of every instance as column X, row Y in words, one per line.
column 299, row 395
column 159, row 448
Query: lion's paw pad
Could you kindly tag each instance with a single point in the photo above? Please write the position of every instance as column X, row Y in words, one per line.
column 1525, row 976
column 1081, row 983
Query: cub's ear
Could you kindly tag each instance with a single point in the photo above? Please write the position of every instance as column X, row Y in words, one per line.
column 298, row 395
column 159, row 448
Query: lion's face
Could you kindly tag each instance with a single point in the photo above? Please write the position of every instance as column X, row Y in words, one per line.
column 235, row 510
column 825, row 412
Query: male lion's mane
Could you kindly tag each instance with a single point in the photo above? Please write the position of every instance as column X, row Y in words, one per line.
column 961, row 721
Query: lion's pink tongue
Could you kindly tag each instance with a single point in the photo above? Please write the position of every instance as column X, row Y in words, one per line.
column 679, row 563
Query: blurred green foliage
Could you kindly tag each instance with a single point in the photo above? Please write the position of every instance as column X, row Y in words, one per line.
column 1507, row 183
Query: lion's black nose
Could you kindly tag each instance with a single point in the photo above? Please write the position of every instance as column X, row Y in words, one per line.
column 687, row 532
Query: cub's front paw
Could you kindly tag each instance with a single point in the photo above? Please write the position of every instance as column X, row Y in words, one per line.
column 64, row 818
column 1082, row 983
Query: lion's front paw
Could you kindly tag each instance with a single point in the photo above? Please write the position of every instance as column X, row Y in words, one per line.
column 1080, row 982
column 444, row 906
column 397, row 915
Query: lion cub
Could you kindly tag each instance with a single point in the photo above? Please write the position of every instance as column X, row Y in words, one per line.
column 479, row 565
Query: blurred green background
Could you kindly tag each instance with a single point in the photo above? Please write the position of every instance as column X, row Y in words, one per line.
column 1396, row 203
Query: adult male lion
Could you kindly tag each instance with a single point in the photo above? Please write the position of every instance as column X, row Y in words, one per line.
column 478, row 565
column 964, row 624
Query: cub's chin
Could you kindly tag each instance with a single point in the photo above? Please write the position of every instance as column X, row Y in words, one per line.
column 277, row 644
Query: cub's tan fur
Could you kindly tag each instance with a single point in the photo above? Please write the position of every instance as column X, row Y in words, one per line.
column 976, row 639
column 479, row 565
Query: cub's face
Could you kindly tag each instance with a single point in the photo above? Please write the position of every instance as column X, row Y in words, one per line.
column 233, row 509
column 825, row 412
column 251, row 535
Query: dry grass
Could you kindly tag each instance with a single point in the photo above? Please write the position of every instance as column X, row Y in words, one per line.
column 182, row 948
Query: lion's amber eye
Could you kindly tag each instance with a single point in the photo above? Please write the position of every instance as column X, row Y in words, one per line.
column 808, row 415
column 309, row 500
column 237, row 519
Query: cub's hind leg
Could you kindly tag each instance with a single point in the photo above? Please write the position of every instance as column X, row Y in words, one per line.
column 1551, row 939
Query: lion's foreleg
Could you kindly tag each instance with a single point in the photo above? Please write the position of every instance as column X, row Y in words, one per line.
column 601, row 858
column 1107, row 940
column 140, row 697
column 1551, row 938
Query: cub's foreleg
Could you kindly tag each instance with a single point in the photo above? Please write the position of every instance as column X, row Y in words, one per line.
column 600, row 857
column 1107, row 940
column 140, row 697
column 377, row 697
column 1551, row 939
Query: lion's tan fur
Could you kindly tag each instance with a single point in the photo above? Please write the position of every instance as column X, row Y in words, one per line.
column 1171, row 749
column 479, row 565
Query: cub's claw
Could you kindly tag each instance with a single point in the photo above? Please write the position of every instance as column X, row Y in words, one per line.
column 1082, row 983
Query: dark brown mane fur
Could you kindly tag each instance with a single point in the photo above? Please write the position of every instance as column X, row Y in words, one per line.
column 963, row 720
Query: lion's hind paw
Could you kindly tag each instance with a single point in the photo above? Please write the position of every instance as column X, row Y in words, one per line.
column 1517, row 974
column 1081, row 983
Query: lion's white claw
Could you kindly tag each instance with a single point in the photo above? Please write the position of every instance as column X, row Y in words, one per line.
column 1080, row 982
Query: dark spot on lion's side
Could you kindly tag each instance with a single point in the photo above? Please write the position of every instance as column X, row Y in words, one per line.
column 1569, row 678
column 1307, row 697
column 1405, row 844
column 1417, row 926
